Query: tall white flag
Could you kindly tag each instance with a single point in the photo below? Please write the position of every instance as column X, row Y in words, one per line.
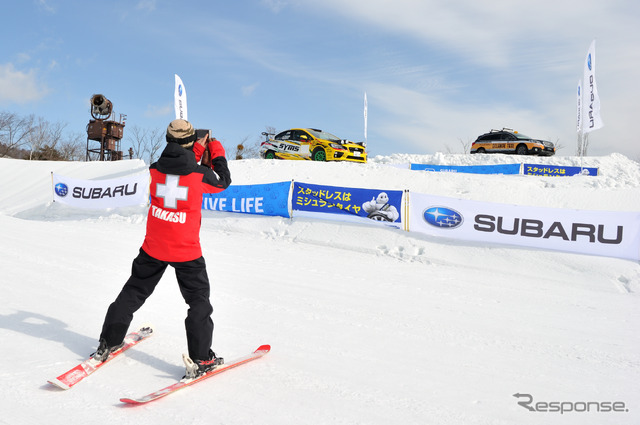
column 579, row 104
column 591, row 119
column 365, row 117
column 180, row 99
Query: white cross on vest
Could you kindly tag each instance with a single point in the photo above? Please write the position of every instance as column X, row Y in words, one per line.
column 171, row 192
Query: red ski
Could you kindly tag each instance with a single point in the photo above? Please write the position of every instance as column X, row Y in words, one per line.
column 261, row 351
column 87, row 367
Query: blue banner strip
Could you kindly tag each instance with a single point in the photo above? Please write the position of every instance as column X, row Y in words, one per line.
column 262, row 199
column 474, row 169
column 373, row 204
column 557, row 171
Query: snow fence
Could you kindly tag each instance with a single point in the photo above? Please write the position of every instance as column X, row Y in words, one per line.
column 603, row 233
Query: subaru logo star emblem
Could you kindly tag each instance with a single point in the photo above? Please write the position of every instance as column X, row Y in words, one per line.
column 589, row 61
column 443, row 217
column 61, row 189
column 180, row 89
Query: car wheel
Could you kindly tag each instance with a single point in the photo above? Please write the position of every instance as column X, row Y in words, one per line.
column 481, row 150
column 521, row 150
column 378, row 216
column 270, row 155
column 319, row 155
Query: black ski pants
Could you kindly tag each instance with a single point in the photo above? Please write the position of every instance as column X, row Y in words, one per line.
column 146, row 272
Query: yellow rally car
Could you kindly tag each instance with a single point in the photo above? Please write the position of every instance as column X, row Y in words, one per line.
column 511, row 142
column 311, row 144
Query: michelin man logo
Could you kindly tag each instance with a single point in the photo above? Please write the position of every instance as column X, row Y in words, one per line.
column 379, row 209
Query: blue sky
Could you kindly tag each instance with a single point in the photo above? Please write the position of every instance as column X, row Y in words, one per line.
column 437, row 74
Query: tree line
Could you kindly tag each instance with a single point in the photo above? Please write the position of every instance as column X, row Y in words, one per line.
column 31, row 137
column 34, row 138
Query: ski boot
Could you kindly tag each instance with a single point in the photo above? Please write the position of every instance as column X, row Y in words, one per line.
column 103, row 351
column 197, row 368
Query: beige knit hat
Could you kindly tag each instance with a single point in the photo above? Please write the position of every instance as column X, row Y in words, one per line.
column 180, row 131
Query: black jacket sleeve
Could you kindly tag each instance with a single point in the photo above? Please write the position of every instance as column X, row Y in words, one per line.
column 221, row 179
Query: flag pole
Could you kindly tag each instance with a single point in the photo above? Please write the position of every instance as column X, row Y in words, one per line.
column 365, row 117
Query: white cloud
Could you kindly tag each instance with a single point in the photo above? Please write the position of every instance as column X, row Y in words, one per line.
column 516, row 61
column 431, row 123
column 46, row 6
column 23, row 57
column 148, row 5
column 159, row 111
column 248, row 90
column 275, row 5
column 493, row 34
column 19, row 87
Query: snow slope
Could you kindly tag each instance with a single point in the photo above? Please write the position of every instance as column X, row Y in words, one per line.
column 367, row 325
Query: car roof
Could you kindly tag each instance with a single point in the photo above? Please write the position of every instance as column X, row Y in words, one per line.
column 508, row 131
column 504, row 130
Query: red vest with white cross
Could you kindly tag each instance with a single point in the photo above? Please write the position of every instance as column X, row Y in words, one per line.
column 173, row 222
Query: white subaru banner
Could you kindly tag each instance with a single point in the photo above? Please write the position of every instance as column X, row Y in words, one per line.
column 579, row 104
column 180, row 99
column 604, row 233
column 591, row 119
column 100, row 194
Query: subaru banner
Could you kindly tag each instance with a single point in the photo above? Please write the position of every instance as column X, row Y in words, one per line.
column 557, row 171
column 261, row 199
column 347, row 204
column 474, row 169
column 99, row 194
column 605, row 233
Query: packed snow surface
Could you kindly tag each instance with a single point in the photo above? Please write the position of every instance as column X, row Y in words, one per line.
column 368, row 325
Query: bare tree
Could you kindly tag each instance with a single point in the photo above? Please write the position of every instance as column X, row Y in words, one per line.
column 137, row 138
column 157, row 141
column 240, row 148
column 246, row 151
column 14, row 132
column 73, row 148
column 146, row 143
column 466, row 147
column 558, row 145
column 270, row 130
column 44, row 133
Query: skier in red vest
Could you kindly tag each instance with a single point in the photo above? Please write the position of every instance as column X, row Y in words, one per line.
column 173, row 238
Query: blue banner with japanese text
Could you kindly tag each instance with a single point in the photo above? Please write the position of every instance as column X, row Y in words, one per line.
column 474, row 169
column 557, row 171
column 347, row 204
column 262, row 199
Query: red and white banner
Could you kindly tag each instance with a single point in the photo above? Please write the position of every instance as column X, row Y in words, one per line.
column 101, row 194
column 604, row 233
